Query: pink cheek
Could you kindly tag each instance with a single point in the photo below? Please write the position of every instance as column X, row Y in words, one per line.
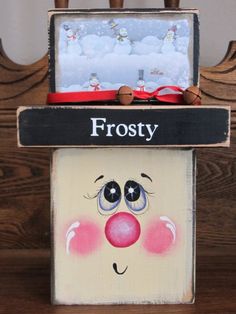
column 83, row 237
column 160, row 236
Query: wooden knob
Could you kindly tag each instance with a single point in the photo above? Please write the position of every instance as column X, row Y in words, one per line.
column 116, row 4
column 192, row 96
column 61, row 4
column 172, row 4
column 125, row 95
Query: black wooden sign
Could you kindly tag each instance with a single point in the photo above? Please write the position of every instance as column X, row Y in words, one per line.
column 119, row 126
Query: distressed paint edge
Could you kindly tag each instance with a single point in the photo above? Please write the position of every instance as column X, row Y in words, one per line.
column 225, row 143
column 53, row 13
column 61, row 11
column 51, row 53
column 188, row 298
column 220, row 145
column 196, row 49
column 53, row 161
column 194, row 246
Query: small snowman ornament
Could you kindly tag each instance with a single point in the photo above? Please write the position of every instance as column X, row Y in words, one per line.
column 123, row 44
column 140, row 83
column 72, row 40
column 168, row 42
column 94, row 84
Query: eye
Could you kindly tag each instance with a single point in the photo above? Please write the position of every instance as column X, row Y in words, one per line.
column 109, row 197
column 135, row 197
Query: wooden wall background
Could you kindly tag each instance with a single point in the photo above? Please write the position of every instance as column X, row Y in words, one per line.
column 24, row 173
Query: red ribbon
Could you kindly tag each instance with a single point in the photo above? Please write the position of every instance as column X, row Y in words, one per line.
column 109, row 95
column 175, row 98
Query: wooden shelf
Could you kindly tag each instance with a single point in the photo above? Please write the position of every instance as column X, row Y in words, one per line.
column 25, row 286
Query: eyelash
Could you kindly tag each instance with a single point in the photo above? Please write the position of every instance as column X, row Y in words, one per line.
column 147, row 192
column 89, row 197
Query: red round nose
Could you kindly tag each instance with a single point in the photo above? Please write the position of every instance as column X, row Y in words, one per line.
column 122, row 229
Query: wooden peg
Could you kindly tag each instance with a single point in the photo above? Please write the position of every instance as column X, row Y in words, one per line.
column 172, row 4
column 61, row 4
column 118, row 4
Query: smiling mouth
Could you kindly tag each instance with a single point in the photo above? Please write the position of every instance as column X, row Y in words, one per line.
column 114, row 265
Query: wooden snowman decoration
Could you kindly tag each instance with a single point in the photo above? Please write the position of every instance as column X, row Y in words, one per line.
column 123, row 177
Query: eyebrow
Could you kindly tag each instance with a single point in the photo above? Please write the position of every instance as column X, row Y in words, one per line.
column 144, row 175
column 99, row 178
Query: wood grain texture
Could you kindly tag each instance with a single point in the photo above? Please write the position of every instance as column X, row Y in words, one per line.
column 24, row 198
column 218, row 83
column 116, row 3
column 22, row 84
column 61, row 4
column 25, row 287
column 24, row 173
column 216, row 197
column 172, row 3
column 24, row 191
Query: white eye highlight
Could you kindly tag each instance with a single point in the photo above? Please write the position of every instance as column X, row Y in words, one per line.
column 109, row 198
column 135, row 197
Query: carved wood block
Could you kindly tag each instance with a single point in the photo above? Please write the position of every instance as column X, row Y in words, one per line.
column 218, row 83
column 123, row 224
column 171, row 126
column 27, row 172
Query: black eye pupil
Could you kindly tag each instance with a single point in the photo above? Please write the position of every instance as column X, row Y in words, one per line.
column 132, row 191
column 112, row 192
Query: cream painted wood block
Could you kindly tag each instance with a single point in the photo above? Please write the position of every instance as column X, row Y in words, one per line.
column 123, row 225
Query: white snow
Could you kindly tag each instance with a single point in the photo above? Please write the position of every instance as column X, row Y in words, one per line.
column 117, row 62
column 110, row 86
column 122, row 49
column 167, row 48
column 72, row 88
column 97, row 46
column 73, row 47
column 113, row 67
column 147, row 45
column 182, row 44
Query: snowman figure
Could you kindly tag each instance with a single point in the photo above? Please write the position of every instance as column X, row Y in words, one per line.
column 72, row 40
column 140, row 83
column 168, row 42
column 123, row 44
column 94, row 84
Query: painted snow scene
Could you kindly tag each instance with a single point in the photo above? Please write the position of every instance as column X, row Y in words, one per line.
column 103, row 52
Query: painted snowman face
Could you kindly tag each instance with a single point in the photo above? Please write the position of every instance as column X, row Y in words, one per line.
column 69, row 33
column 123, row 32
column 72, row 36
column 140, row 83
column 121, row 218
column 170, row 36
